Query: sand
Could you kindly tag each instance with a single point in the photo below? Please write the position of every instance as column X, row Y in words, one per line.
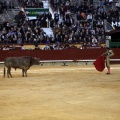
column 61, row 93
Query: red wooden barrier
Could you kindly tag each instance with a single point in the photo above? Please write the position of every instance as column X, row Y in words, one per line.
column 70, row 54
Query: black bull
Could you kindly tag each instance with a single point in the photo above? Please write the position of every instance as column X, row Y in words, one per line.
column 23, row 63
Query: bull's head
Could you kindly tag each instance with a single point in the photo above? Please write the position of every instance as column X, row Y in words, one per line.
column 36, row 61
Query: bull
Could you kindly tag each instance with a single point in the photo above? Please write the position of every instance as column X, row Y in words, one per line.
column 23, row 63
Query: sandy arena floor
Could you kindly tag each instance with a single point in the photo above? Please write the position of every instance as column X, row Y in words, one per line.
column 61, row 93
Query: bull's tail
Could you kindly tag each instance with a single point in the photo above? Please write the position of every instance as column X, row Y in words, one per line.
column 4, row 71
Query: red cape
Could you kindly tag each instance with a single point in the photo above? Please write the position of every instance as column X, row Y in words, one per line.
column 100, row 63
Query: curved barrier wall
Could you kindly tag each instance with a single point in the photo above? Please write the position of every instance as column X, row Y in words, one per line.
column 69, row 54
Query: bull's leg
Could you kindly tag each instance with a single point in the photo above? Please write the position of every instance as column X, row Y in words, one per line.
column 22, row 72
column 4, row 72
column 10, row 72
column 26, row 73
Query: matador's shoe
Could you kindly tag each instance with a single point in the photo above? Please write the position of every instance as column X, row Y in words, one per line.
column 108, row 73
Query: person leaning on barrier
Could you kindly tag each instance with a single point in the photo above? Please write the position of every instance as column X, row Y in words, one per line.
column 109, row 53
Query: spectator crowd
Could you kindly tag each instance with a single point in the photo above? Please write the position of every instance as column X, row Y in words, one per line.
column 4, row 5
column 31, row 3
column 75, row 22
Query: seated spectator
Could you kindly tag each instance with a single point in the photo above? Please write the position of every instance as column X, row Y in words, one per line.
column 83, row 16
column 110, row 2
column 89, row 44
column 32, row 3
column 89, row 17
column 83, row 45
column 22, row 47
column 37, row 48
column 94, row 41
column 58, row 47
column 6, row 47
column 70, row 39
column 35, row 42
column 78, row 16
column 19, row 41
column 46, row 47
